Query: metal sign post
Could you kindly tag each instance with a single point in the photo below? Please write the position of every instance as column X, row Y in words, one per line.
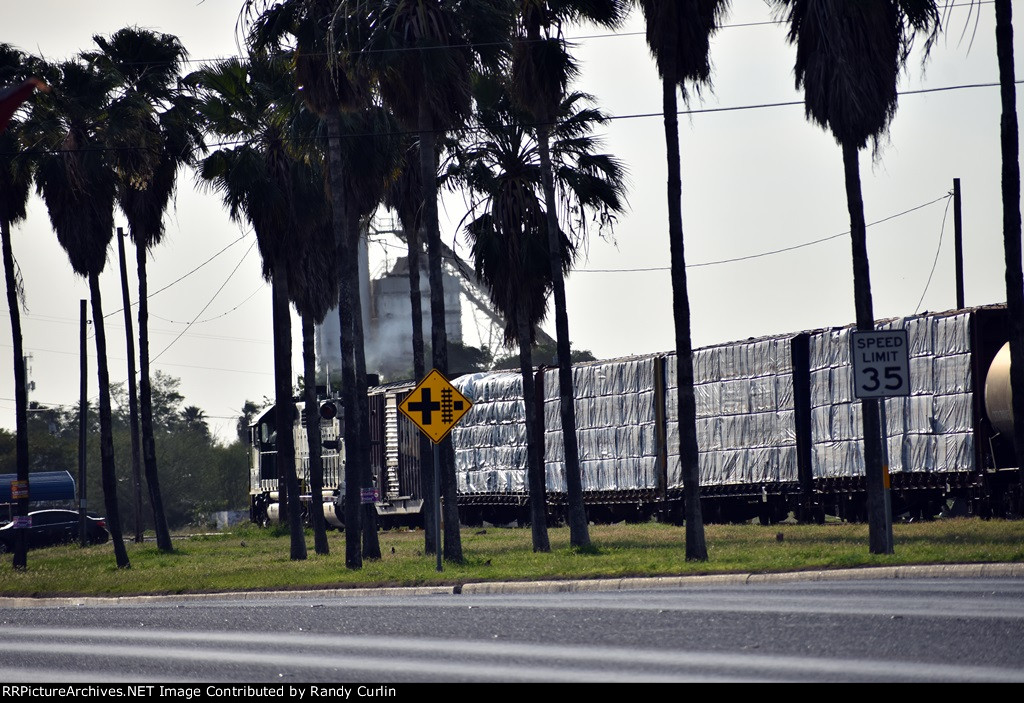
column 889, row 546
column 437, row 503
column 435, row 406
column 881, row 369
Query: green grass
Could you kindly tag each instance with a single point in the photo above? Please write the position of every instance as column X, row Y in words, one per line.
column 249, row 559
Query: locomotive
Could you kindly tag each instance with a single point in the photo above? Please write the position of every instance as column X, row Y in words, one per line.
column 778, row 429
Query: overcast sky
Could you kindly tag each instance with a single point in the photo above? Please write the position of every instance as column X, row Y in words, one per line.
column 757, row 178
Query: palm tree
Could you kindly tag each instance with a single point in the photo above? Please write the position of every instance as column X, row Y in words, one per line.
column 251, row 101
column 679, row 36
column 504, row 168
column 510, row 254
column 424, row 52
column 331, row 84
column 370, row 154
column 1009, row 141
column 848, row 59
column 15, row 184
column 75, row 125
column 314, row 291
column 542, row 70
column 193, row 419
column 146, row 66
column 404, row 196
column 133, row 392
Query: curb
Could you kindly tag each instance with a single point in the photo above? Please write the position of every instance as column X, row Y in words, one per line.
column 1015, row 570
column 879, row 572
column 29, row 602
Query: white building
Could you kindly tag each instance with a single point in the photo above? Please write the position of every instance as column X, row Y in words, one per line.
column 387, row 320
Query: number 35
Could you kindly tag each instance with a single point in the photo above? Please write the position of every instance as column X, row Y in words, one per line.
column 893, row 379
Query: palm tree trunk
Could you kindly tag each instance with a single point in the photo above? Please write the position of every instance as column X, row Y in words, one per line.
column 339, row 215
column 535, row 464
column 20, row 393
column 438, row 333
column 109, row 475
column 133, row 392
column 285, row 408
column 696, row 547
column 1009, row 142
column 878, row 542
column 579, row 533
column 316, row 466
column 353, row 474
column 371, row 544
column 412, row 236
column 163, row 534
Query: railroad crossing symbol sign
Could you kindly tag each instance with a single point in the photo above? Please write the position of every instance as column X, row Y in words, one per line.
column 435, row 406
column 881, row 363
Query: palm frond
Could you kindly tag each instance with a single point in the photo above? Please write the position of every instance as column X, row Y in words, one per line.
column 75, row 175
column 849, row 57
column 679, row 37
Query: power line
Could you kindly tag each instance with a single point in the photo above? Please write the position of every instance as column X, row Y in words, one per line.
column 215, row 317
column 521, row 40
column 764, row 253
column 92, row 356
column 938, row 249
column 210, row 302
column 197, row 335
column 469, row 129
column 184, row 276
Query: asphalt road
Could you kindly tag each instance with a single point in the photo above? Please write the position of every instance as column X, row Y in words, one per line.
column 808, row 628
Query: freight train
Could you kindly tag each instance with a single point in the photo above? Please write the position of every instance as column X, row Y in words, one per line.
column 778, row 429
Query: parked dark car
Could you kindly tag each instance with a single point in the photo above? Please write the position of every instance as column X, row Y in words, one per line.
column 54, row 526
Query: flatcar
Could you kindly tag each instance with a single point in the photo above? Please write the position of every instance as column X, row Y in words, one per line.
column 778, row 433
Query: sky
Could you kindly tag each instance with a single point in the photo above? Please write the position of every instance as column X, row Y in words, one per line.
column 758, row 178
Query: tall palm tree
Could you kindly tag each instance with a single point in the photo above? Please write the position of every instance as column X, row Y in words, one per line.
column 146, row 67
column 510, row 254
column 1009, row 140
column 405, row 197
column 371, row 154
column 15, row 185
column 76, row 125
column 542, row 70
column 679, row 37
column 133, row 392
column 331, row 84
column 504, row 167
column 251, row 102
column 423, row 53
column 848, row 58
column 313, row 286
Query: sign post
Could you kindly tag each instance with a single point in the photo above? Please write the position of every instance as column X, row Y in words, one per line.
column 881, row 369
column 435, row 406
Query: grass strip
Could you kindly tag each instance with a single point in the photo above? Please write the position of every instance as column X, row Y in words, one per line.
column 247, row 558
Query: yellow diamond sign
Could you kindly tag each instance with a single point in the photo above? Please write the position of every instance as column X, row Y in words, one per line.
column 435, row 406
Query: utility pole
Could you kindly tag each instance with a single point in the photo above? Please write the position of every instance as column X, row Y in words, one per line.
column 958, row 245
column 83, row 405
column 30, row 385
column 133, row 393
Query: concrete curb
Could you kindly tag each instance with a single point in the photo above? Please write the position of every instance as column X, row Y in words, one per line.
column 1015, row 570
column 880, row 572
column 27, row 602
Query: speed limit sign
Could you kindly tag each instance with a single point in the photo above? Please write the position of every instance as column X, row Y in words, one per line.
column 881, row 363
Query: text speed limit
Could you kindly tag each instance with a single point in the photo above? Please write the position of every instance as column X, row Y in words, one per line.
column 881, row 363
